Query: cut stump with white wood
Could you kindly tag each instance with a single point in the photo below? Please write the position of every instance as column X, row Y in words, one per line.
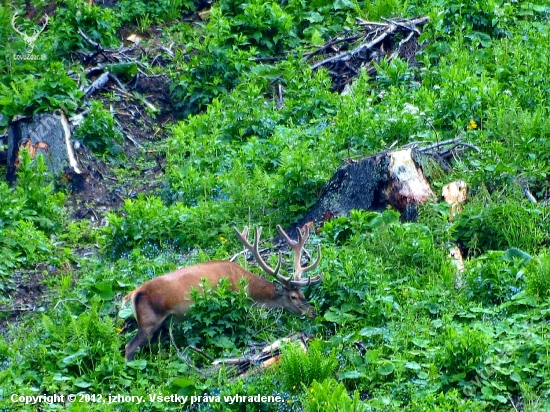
column 389, row 178
column 49, row 135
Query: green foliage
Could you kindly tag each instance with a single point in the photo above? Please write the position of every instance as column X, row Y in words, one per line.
column 239, row 31
column 375, row 10
column 410, row 333
column 99, row 132
column 29, row 213
column 496, row 226
column 484, row 20
column 537, row 276
column 495, row 277
column 254, row 154
column 331, row 396
column 212, row 70
column 74, row 352
column 298, row 367
column 148, row 224
column 157, row 11
column 98, row 23
column 464, row 351
column 50, row 90
column 217, row 318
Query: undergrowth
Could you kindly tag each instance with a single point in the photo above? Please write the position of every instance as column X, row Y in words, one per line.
column 399, row 327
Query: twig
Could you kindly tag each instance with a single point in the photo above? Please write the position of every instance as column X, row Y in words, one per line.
column 525, row 190
column 332, row 43
column 236, row 255
column 200, row 351
column 93, row 43
column 180, row 353
column 99, row 83
column 347, row 55
column 397, row 23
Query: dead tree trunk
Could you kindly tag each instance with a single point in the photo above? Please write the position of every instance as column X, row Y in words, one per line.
column 49, row 135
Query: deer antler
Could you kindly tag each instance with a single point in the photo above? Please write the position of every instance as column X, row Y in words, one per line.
column 297, row 246
column 243, row 237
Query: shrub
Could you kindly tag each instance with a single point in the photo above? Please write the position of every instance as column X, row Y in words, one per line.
column 498, row 226
column 157, row 11
column 98, row 23
column 495, row 277
column 99, row 132
column 74, row 352
column 49, row 90
column 29, row 212
column 217, row 318
column 331, row 396
column 147, row 224
column 537, row 276
column 299, row 367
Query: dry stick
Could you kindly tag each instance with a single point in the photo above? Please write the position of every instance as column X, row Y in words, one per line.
column 369, row 23
column 411, row 27
column 347, row 55
column 330, row 44
column 99, row 83
column 525, row 190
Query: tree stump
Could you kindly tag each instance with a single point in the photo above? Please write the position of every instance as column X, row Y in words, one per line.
column 391, row 178
column 49, row 135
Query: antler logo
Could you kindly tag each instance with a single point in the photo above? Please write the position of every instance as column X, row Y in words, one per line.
column 29, row 40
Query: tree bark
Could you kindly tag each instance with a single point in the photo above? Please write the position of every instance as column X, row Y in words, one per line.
column 49, row 135
column 391, row 178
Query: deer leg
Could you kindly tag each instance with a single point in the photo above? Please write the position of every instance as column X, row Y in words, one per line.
column 149, row 323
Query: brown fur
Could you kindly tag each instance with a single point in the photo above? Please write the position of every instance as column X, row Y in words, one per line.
column 170, row 294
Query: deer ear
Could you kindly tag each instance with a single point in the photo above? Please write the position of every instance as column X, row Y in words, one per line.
column 278, row 287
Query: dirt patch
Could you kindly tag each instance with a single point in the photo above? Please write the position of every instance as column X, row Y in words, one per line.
column 24, row 292
column 142, row 108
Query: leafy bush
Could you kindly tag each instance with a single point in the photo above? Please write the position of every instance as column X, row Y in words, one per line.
column 212, row 70
column 26, row 94
column 74, row 352
column 98, row 23
column 147, row 223
column 537, row 276
column 331, row 396
column 298, row 367
column 29, row 213
column 162, row 11
column 498, row 226
column 463, row 353
column 496, row 276
column 377, row 9
column 481, row 18
column 217, row 318
column 99, row 132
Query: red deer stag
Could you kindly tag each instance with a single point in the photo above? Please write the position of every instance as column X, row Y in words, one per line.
column 170, row 294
